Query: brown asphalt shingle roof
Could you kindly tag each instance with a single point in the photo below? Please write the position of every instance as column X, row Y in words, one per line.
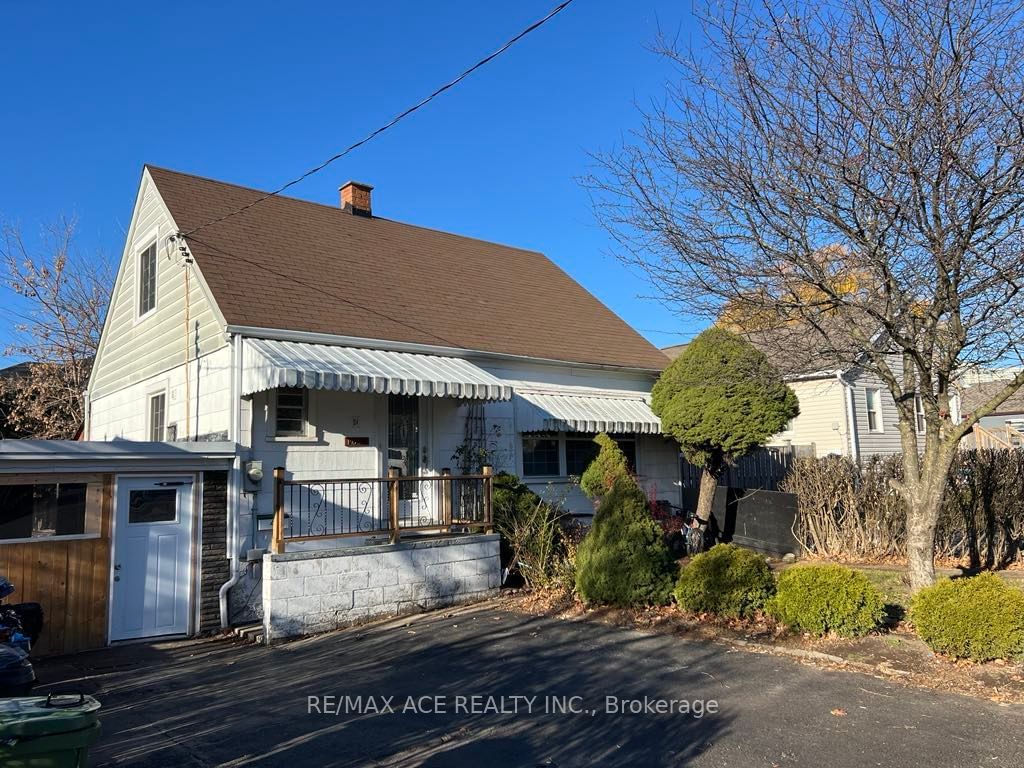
column 975, row 396
column 295, row 265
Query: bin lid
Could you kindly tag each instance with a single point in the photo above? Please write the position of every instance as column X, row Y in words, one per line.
column 26, row 716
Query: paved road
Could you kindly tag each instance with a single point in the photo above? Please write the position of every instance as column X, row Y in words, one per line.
column 217, row 704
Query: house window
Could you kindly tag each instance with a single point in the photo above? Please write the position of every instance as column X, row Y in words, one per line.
column 579, row 452
column 158, row 418
column 147, row 280
column 290, row 412
column 46, row 510
column 873, row 398
column 919, row 413
column 540, row 456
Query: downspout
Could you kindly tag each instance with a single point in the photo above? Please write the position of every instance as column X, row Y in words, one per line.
column 234, row 436
column 851, row 419
column 86, row 415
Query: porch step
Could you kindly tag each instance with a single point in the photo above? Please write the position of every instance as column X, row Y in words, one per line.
column 250, row 633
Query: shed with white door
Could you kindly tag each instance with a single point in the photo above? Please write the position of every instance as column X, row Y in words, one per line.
column 117, row 540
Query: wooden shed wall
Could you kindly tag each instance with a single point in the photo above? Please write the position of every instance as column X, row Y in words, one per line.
column 70, row 578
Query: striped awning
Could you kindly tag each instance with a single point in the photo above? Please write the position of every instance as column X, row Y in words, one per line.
column 269, row 364
column 570, row 411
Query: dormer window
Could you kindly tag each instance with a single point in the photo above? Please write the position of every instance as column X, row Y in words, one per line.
column 147, row 280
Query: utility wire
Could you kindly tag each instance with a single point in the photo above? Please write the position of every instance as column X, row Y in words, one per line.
column 450, row 84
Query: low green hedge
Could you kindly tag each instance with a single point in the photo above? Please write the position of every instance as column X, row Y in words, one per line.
column 827, row 598
column 979, row 618
column 726, row 580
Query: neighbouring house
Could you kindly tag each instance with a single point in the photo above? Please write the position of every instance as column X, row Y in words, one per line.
column 1004, row 427
column 384, row 368
column 845, row 410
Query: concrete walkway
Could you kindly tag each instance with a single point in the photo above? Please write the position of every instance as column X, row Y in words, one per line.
column 214, row 703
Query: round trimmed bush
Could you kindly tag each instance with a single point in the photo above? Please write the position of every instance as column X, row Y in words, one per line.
column 827, row 598
column 979, row 618
column 726, row 580
column 623, row 559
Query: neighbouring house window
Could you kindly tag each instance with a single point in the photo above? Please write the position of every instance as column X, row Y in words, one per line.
column 147, row 280
column 541, row 456
column 290, row 412
column 158, row 417
column 919, row 413
column 45, row 510
column 874, row 408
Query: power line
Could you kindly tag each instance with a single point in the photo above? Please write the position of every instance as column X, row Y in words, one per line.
column 373, row 134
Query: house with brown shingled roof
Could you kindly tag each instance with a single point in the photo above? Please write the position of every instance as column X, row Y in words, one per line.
column 336, row 347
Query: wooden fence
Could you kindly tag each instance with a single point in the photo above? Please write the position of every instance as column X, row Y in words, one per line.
column 765, row 468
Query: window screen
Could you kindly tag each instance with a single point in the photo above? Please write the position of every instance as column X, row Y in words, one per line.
column 290, row 412
column 540, row 456
column 147, row 280
column 157, row 417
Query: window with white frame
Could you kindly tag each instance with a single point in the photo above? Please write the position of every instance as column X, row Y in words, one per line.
column 291, row 412
column 873, row 398
column 147, row 280
column 541, row 456
column 158, row 417
column 919, row 413
column 567, row 454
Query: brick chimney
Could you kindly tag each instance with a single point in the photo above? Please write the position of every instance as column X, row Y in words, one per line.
column 355, row 198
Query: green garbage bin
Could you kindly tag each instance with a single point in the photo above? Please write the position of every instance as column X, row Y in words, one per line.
column 52, row 731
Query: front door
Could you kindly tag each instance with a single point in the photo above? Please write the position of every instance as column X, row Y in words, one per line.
column 152, row 546
column 407, row 452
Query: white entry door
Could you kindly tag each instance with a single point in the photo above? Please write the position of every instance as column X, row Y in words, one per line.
column 152, row 546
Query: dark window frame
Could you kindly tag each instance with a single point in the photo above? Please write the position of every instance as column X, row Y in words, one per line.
column 300, row 422
column 535, row 464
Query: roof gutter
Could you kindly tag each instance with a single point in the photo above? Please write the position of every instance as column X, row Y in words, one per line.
column 310, row 337
column 851, row 420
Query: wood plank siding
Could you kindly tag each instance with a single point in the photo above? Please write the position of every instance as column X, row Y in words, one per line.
column 70, row 578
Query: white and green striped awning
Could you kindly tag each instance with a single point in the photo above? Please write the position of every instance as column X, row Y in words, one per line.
column 573, row 411
column 269, row 364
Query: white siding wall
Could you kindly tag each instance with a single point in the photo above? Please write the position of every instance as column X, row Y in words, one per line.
column 133, row 349
column 888, row 439
column 124, row 414
column 822, row 420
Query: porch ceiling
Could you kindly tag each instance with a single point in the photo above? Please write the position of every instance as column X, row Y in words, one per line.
column 617, row 412
column 269, row 364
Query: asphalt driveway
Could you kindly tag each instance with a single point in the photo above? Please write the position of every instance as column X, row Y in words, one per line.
column 494, row 688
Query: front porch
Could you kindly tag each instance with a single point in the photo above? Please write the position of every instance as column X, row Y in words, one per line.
column 380, row 510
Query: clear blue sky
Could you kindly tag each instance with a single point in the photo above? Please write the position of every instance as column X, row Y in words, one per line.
column 256, row 92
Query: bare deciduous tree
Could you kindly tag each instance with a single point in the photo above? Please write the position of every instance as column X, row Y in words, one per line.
column 853, row 172
column 57, row 329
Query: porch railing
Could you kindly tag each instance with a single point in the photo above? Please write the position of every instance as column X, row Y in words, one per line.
column 306, row 510
column 1005, row 438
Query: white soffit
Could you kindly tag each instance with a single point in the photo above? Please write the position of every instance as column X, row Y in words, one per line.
column 269, row 364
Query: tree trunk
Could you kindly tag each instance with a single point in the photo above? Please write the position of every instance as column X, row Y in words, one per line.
column 706, row 499
column 924, row 497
